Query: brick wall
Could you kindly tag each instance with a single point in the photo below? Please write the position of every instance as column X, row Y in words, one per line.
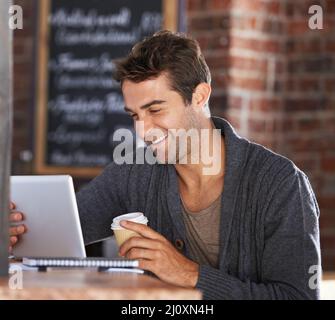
column 273, row 78
column 309, row 106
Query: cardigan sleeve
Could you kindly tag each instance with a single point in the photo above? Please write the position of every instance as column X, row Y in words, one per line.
column 291, row 251
column 100, row 201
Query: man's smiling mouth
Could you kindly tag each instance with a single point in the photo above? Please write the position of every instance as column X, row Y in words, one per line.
column 159, row 140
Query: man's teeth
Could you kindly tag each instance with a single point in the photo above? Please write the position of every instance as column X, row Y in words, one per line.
column 159, row 140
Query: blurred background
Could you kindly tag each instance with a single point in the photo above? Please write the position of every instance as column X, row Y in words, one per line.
column 273, row 78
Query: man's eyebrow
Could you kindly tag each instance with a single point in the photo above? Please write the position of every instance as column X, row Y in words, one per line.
column 147, row 105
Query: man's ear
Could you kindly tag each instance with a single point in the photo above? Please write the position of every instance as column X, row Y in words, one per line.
column 201, row 95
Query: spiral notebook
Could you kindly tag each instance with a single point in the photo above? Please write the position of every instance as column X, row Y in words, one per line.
column 101, row 263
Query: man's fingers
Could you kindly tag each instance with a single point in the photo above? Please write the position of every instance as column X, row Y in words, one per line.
column 146, row 265
column 13, row 240
column 16, row 231
column 15, row 216
column 142, row 229
column 12, row 205
column 139, row 242
column 139, row 253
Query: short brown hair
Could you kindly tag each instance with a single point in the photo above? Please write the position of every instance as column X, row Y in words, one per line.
column 174, row 53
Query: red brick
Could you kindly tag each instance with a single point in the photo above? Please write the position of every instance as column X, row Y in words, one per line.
column 260, row 138
column 235, row 121
column 330, row 45
column 299, row 27
column 209, row 22
column 219, row 4
column 248, row 63
column 311, row 46
column 258, row 45
column 328, row 262
column 203, row 42
column 257, row 125
column 327, row 220
column 309, row 124
column 269, row 7
column 313, row 84
column 270, row 26
column 239, row 22
column 218, row 60
column 306, row 163
column 331, row 104
column 328, row 26
column 289, row 9
column 327, row 201
column 273, row 7
column 300, row 8
column 330, row 7
column 330, row 124
column 218, row 104
column 315, row 64
column 279, row 67
column 247, row 83
column 304, row 143
column 214, row 41
column 235, row 102
column 320, row 64
column 328, row 164
column 264, row 104
column 192, row 5
column 305, row 104
column 328, row 241
column 219, row 81
column 330, row 85
column 289, row 125
column 291, row 85
column 291, row 46
column 204, row 5
column 248, row 5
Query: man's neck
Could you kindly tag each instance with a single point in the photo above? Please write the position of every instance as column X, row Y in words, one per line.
column 192, row 175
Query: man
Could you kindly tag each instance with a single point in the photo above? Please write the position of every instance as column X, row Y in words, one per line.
column 248, row 230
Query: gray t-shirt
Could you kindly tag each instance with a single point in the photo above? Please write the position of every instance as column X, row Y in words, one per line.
column 203, row 233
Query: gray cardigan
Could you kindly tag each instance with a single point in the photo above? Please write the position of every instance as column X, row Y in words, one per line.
column 269, row 233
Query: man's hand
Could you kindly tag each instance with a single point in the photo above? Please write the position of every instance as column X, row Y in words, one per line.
column 17, row 230
column 156, row 254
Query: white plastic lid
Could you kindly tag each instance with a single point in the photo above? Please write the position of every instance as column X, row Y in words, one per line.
column 137, row 217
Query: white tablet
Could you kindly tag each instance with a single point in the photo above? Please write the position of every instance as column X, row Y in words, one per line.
column 51, row 216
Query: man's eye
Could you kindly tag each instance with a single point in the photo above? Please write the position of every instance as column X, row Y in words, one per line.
column 134, row 115
column 155, row 110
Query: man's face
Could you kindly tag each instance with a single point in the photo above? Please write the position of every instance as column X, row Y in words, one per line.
column 155, row 109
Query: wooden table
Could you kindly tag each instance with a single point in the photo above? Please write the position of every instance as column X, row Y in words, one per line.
column 90, row 284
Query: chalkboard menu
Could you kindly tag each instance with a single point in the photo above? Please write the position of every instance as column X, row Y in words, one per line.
column 79, row 104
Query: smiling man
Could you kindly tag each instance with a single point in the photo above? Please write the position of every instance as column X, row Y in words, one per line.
column 247, row 230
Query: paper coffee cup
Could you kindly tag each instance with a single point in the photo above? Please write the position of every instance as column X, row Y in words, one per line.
column 122, row 234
